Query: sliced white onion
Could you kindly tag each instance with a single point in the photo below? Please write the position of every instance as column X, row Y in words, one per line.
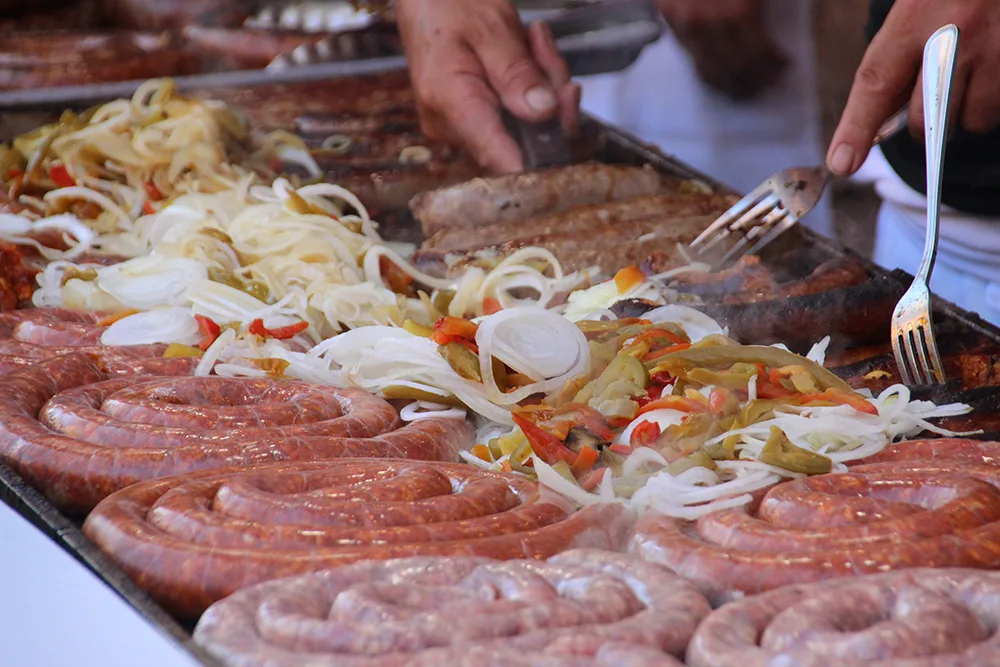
column 214, row 352
column 536, row 342
column 425, row 410
column 147, row 282
column 663, row 418
column 818, row 351
column 160, row 325
column 695, row 323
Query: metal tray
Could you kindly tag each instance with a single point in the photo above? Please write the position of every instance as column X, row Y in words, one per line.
column 604, row 143
column 603, row 37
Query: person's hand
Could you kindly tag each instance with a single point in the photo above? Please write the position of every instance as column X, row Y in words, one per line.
column 890, row 73
column 729, row 43
column 468, row 58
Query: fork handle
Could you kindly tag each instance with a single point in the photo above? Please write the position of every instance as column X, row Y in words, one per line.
column 939, row 67
column 892, row 126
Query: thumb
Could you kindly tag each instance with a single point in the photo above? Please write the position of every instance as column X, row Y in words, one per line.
column 516, row 77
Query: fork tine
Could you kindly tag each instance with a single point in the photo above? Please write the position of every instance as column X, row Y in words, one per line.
column 777, row 230
column 735, row 212
column 740, row 249
column 918, row 356
column 935, row 368
column 902, row 362
column 747, row 224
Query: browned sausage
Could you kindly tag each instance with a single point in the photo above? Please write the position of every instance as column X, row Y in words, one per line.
column 919, row 618
column 610, row 248
column 581, row 219
column 78, row 435
column 583, row 607
column 511, row 198
column 934, row 503
column 174, row 14
column 193, row 539
column 75, row 58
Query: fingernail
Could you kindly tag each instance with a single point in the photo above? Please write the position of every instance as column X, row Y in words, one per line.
column 842, row 159
column 540, row 99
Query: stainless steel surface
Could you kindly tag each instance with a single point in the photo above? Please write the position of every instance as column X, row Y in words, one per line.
column 913, row 342
column 542, row 144
column 775, row 205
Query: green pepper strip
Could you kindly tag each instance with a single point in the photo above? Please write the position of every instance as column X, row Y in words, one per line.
column 780, row 452
column 680, row 363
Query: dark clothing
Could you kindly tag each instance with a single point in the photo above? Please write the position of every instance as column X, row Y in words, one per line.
column 971, row 180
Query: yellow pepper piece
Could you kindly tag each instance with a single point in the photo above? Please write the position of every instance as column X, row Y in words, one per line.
column 175, row 350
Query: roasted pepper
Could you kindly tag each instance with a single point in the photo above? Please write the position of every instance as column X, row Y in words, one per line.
column 545, row 445
column 680, row 364
column 780, row 452
column 209, row 331
column 461, row 360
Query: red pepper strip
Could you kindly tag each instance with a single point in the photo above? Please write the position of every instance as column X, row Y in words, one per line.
column 658, row 333
column 592, row 479
column 59, row 175
column 673, row 403
column 152, row 192
column 397, row 280
column 491, row 306
column 147, row 208
column 442, row 339
column 286, row 332
column 680, row 347
column 620, row 448
column 545, row 445
column 209, row 331
column 257, row 328
column 645, row 434
column 856, row 401
column 652, row 393
column 717, row 400
column 619, row 422
column 585, row 461
column 776, row 376
column 767, row 390
column 14, row 172
column 456, row 326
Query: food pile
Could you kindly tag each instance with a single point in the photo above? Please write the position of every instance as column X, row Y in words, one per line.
column 328, row 447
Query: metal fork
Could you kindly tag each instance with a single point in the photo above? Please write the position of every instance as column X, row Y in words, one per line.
column 776, row 204
column 913, row 341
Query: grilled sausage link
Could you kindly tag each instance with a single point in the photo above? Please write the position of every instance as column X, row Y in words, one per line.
column 191, row 540
column 583, row 607
column 921, row 504
column 74, row 430
column 511, row 198
column 918, row 617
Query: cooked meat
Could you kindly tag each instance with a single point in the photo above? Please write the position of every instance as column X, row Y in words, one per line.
column 581, row 220
column 516, row 197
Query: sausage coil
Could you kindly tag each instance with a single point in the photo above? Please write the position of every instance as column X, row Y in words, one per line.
column 193, row 539
column 918, row 618
column 33, row 334
column 582, row 607
column 74, row 430
column 929, row 503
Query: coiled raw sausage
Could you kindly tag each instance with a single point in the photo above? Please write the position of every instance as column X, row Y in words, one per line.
column 918, row 618
column 193, row 539
column 78, row 435
column 582, row 607
column 923, row 503
column 34, row 334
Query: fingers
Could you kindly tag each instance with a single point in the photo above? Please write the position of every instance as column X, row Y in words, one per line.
column 546, row 54
column 883, row 80
column 511, row 68
column 980, row 108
